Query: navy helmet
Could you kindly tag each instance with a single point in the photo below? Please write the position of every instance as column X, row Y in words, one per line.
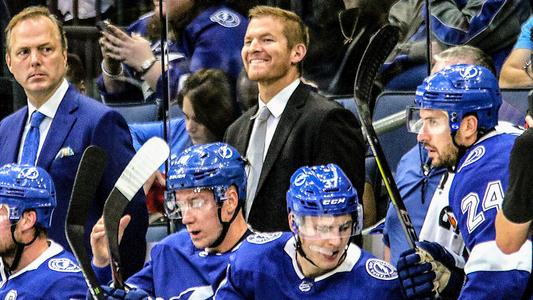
column 26, row 187
column 459, row 90
column 216, row 166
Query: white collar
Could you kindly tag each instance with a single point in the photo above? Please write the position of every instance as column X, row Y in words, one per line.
column 50, row 106
column 352, row 257
column 277, row 104
column 53, row 250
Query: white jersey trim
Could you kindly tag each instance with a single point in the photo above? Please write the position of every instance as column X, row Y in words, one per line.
column 488, row 257
column 352, row 257
column 52, row 251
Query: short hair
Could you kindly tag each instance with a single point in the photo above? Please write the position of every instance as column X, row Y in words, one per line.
column 211, row 99
column 478, row 56
column 75, row 70
column 293, row 27
column 34, row 12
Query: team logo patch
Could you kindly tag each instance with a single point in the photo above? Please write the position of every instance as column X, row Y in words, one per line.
column 226, row 18
column 29, row 173
column 300, row 179
column 469, row 72
column 263, row 237
column 473, row 156
column 380, row 269
column 11, row 295
column 225, row 152
column 305, row 286
column 64, row 265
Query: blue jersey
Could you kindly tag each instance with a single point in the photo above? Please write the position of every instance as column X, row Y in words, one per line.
column 476, row 195
column 265, row 267
column 52, row 275
column 177, row 269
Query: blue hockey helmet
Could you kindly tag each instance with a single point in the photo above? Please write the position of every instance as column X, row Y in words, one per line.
column 216, row 166
column 25, row 187
column 459, row 90
column 321, row 190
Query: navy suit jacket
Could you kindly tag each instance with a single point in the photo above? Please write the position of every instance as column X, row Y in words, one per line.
column 79, row 122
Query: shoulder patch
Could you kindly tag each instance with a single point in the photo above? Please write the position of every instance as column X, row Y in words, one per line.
column 11, row 295
column 474, row 155
column 64, row 265
column 263, row 237
column 380, row 269
column 225, row 18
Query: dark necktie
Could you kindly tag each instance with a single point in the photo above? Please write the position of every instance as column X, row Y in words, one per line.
column 31, row 143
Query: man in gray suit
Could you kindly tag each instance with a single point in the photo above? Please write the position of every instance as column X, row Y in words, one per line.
column 300, row 127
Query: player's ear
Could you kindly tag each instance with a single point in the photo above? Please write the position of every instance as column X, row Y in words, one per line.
column 292, row 223
column 231, row 203
column 468, row 127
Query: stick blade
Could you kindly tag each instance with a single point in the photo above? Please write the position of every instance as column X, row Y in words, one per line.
column 145, row 162
column 90, row 171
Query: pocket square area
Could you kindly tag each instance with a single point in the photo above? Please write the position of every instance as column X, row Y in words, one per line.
column 64, row 152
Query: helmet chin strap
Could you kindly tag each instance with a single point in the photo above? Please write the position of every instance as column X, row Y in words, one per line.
column 225, row 225
column 462, row 149
column 20, row 246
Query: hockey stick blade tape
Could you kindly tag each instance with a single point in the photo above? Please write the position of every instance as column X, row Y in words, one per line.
column 147, row 160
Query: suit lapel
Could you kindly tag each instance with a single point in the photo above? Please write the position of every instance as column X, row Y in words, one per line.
column 11, row 140
column 59, row 129
column 243, row 137
column 290, row 115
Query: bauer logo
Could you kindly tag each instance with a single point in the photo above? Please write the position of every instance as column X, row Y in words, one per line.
column 64, row 265
column 225, row 18
column 380, row 269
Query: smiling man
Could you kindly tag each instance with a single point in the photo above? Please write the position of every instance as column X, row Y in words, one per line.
column 291, row 126
column 58, row 123
column 316, row 260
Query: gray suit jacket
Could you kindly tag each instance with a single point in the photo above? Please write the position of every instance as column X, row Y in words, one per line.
column 312, row 130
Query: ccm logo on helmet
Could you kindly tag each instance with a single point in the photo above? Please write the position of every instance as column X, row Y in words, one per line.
column 333, row 201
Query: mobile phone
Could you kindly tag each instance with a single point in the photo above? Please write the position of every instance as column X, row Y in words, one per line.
column 103, row 26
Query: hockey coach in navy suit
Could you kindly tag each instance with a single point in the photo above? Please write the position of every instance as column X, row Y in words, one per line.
column 58, row 123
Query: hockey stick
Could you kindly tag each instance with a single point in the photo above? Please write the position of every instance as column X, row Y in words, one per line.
column 145, row 162
column 90, row 170
column 379, row 47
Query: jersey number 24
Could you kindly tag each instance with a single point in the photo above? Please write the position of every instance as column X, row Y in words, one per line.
column 469, row 205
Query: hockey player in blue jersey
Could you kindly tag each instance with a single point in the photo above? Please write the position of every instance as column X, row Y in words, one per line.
column 32, row 267
column 455, row 115
column 209, row 187
column 316, row 260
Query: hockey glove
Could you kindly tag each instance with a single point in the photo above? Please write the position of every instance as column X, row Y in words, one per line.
column 131, row 294
column 429, row 270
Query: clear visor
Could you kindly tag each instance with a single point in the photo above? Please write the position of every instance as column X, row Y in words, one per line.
column 428, row 121
column 325, row 226
column 200, row 201
column 5, row 214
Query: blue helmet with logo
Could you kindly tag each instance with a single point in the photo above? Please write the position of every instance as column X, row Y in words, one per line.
column 459, row 90
column 321, row 190
column 216, row 166
column 25, row 187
